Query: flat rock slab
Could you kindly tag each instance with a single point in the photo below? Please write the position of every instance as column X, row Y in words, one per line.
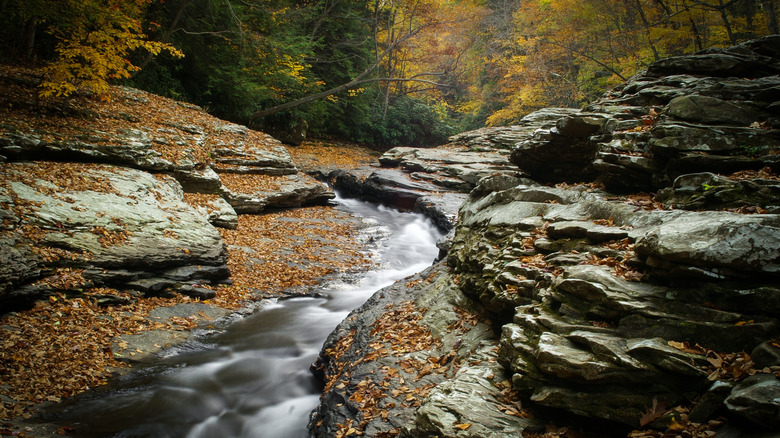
column 143, row 347
column 113, row 224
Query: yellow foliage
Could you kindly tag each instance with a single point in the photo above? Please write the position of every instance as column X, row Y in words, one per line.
column 94, row 49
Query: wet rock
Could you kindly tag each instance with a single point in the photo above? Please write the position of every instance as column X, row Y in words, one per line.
column 461, row 402
column 709, row 191
column 433, row 397
column 398, row 189
column 711, row 401
column 723, row 244
column 755, row 399
column 291, row 191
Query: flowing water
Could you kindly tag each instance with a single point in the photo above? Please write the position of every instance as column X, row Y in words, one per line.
column 253, row 379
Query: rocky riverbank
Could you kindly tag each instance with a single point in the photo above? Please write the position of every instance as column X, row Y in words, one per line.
column 613, row 271
column 130, row 222
column 610, row 271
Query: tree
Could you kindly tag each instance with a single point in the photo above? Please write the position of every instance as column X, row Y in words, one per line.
column 92, row 41
column 415, row 42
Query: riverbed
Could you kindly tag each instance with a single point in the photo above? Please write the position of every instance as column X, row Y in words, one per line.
column 252, row 379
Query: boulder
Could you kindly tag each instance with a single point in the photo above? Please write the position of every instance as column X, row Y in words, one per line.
column 70, row 235
column 711, row 110
column 288, row 191
column 709, row 191
column 720, row 243
column 505, row 137
column 756, row 399
column 449, row 167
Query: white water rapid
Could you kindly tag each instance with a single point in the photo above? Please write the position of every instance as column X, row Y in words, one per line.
column 252, row 380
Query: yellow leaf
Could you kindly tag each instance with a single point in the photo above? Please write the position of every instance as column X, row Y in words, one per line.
column 677, row 345
column 463, row 426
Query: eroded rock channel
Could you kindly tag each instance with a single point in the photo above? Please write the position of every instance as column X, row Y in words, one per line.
column 610, row 271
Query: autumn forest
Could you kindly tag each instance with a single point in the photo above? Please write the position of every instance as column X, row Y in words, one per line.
column 380, row 72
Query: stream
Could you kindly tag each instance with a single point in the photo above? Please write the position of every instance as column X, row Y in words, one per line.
column 252, row 379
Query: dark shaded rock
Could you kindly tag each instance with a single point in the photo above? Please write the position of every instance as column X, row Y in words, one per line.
column 711, row 110
column 711, row 401
column 766, row 355
column 581, row 125
column 752, row 59
column 397, row 189
column 756, row 399
column 713, row 192
column 553, row 157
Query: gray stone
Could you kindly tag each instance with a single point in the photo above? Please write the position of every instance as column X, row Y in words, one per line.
column 581, row 125
column 142, row 224
column 593, row 232
column 766, row 355
column 710, row 191
column 504, row 137
column 468, row 399
column 757, row 399
column 293, row 191
column 724, row 243
column 711, row 110
column 220, row 213
column 711, row 401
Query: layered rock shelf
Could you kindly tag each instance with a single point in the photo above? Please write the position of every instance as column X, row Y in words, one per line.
column 611, row 270
column 97, row 196
column 621, row 279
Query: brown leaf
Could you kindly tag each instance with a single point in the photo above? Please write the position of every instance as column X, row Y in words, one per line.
column 653, row 412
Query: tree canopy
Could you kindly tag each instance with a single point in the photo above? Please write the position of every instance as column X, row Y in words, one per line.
column 384, row 72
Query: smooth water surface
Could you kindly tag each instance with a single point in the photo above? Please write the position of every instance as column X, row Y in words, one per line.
column 253, row 379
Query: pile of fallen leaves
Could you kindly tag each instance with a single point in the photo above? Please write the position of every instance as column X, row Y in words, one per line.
column 620, row 264
column 733, row 366
column 179, row 132
column 62, row 346
column 277, row 251
column 764, row 173
column 312, row 154
column 398, row 333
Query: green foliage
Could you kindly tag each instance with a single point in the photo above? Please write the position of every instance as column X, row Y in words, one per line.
column 409, row 122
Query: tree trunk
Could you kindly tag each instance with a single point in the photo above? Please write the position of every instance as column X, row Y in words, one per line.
column 165, row 36
column 726, row 22
column 646, row 24
column 769, row 10
column 28, row 45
